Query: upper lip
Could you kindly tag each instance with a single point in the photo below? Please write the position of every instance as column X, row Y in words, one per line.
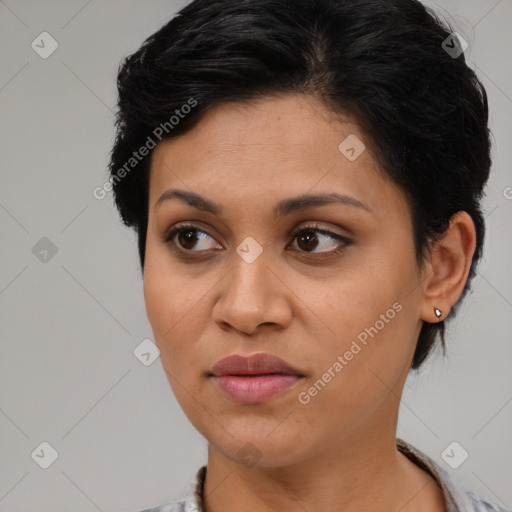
column 257, row 364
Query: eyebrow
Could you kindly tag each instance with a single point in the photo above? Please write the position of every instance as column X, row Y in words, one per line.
column 283, row 208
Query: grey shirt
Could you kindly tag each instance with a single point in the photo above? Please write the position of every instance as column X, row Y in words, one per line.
column 457, row 497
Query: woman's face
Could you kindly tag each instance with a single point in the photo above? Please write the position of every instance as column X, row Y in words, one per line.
column 339, row 302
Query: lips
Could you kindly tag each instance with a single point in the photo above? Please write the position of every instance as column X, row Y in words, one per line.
column 253, row 379
column 257, row 364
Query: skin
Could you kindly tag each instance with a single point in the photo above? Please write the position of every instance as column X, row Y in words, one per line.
column 299, row 301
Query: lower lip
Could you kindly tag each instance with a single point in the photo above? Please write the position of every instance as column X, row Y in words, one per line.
column 254, row 389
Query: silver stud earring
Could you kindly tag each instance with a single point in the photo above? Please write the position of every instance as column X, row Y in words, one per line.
column 438, row 313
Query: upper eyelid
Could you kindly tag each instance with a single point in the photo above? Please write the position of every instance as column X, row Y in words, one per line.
column 321, row 229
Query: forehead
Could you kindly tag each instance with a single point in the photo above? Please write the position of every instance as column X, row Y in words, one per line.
column 279, row 145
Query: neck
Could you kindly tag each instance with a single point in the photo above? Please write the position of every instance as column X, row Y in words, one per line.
column 365, row 471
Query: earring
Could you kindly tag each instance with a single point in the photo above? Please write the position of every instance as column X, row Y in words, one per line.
column 438, row 313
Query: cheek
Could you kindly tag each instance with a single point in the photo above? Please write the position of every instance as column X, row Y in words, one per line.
column 372, row 320
column 162, row 306
column 363, row 296
column 172, row 308
column 175, row 319
column 358, row 370
column 168, row 292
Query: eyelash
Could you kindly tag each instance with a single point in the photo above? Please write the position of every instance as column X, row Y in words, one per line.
column 169, row 236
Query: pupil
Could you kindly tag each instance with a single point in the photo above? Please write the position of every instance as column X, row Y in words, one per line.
column 189, row 237
column 309, row 238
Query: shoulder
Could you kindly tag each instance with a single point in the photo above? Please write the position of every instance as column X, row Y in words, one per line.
column 192, row 501
column 464, row 499
column 457, row 496
column 474, row 502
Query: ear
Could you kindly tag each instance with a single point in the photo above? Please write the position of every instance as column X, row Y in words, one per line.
column 447, row 271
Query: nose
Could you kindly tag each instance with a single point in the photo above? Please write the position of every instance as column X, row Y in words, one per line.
column 252, row 296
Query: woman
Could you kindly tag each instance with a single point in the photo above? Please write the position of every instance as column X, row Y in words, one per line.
column 305, row 180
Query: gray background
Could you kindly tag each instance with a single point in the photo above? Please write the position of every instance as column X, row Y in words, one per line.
column 69, row 325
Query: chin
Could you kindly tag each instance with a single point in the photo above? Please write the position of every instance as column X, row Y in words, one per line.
column 254, row 444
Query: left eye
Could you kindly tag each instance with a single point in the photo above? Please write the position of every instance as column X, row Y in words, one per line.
column 308, row 240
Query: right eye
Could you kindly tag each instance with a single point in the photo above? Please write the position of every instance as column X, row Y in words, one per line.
column 187, row 236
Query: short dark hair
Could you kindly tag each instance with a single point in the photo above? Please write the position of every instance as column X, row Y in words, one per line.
column 423, row 111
